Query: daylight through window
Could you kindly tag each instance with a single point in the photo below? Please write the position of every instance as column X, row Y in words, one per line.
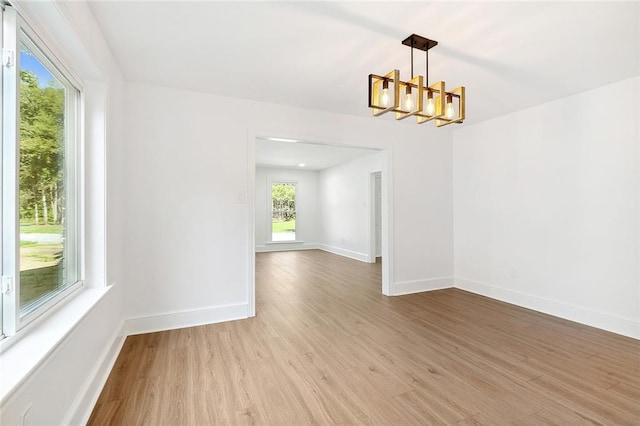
column 40, row 187
column 283, row 211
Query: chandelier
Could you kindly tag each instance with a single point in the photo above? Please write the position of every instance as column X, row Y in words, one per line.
column 416, row 97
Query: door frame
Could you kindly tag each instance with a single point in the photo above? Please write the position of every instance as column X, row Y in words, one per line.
column 386, row 210
column 372, row 215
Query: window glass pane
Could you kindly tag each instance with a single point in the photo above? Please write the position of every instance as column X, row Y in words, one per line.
column 45, row 215
column 283, row 209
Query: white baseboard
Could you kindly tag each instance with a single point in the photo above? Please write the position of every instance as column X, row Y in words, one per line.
column 286, row 247
column 174, row 320
column 605, row 321
column 82, row 407
column 417, row 286
column 362, row 257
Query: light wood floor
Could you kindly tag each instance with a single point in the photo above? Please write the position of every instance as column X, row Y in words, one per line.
column 327, row 348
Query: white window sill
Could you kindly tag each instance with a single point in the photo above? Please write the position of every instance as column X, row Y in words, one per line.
column 21, row 354
column 284, row 242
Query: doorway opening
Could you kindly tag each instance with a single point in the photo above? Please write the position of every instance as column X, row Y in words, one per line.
column 334, row 198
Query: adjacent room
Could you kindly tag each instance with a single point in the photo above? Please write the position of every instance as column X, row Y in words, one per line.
column 320, row 212
column 318, row 196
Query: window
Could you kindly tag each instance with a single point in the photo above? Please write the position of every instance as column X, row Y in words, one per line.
column 283, row 211
column 41, row 213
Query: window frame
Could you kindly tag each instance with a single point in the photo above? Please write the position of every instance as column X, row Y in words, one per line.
column 16, row 30
column 270, row 210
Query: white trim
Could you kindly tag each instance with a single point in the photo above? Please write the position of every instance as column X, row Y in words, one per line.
column 386, row 186
column 10, row 176
column 362, row 257
column 289, row 246
column 40, row 340
column 183, row 319
column 617, row 324
column 418, row 286
column 40, row 39
column 638, row 227
column 251, row 214
column 83, row 405
column 371, row 256
column 48, row 19
column 94, row 184
column 270, row 243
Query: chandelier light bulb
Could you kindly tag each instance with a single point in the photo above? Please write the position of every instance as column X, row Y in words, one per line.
column 449, row 111
column 408, row 102
column 385, row 93
column 385, row 97
column 431, row 107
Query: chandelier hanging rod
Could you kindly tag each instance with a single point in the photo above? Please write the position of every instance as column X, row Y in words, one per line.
column 414, row 41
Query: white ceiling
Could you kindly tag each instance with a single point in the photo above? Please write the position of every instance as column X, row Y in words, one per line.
column 314, row 156
column 509, row 55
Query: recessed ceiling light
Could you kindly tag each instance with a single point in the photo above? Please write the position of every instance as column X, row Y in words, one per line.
column 301, row 164
column 283, row 140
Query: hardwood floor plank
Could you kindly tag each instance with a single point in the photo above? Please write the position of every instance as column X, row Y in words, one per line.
column 326, row 347
column 423, row 408
column 589, row 405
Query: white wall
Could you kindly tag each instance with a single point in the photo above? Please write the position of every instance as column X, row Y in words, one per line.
column 546, row 208
column 188, row 248
column 307, row 225
column 62, row 388
column 345, row 208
